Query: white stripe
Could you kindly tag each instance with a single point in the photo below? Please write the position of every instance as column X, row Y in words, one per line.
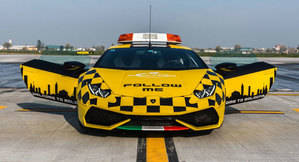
column 144, row 37
column 152, row 128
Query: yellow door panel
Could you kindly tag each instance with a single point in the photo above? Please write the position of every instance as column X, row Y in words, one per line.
column 50, row 81
column 249, row 82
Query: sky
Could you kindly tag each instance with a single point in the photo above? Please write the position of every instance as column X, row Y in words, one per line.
column 200, row 23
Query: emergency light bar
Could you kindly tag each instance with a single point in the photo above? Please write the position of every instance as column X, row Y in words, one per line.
column 150, row 37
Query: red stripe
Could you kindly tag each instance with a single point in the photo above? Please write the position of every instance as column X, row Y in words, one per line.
column 175, row 128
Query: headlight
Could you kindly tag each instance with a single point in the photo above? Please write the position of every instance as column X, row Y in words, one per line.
column 208, row 91
column 95, row 89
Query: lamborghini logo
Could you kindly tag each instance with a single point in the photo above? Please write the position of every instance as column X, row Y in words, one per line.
column 153, row 100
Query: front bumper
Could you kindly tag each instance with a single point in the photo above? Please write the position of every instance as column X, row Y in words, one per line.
column 98, row 118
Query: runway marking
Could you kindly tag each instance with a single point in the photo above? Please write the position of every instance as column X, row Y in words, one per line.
column 297, row 110
column 282, row 94
column 3, row 107
column 23, row 109
column 260, row 112
column 156, row 149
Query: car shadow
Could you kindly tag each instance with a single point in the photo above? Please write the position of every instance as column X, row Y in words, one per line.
column 68, row 112
column 230, row 110
column 70, row 115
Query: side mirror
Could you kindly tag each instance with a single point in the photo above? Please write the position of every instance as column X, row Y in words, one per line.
column 225, row 68
column 73, row 66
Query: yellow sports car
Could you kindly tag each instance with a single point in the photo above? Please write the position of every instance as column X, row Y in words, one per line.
column 149, row 82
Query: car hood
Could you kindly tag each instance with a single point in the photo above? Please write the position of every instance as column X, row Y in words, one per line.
column 141, row 83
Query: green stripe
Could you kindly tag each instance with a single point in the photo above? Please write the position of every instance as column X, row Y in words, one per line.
column 129, row 127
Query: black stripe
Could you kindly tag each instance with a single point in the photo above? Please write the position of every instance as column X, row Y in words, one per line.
column 170, row 148
column 248, row 69
column 52, row 67
column 141, row 149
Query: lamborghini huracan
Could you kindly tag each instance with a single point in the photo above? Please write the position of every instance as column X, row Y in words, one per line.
column 149, row 82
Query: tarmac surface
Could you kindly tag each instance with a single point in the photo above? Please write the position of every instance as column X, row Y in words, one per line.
column 33, row 129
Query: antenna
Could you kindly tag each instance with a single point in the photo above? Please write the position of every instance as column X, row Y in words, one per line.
column 150, row 24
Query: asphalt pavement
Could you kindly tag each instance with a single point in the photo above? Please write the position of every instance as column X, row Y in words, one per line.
column 33, row 129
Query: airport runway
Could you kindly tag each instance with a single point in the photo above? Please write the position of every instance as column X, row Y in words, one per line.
column 33, row 129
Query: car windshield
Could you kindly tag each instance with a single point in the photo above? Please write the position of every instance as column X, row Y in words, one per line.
column 156, row 58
